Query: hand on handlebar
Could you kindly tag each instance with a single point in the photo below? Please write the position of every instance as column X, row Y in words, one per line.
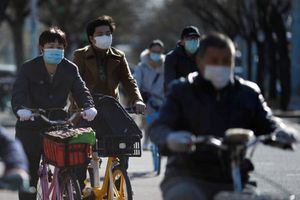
column 25, row 115
column 181, row 142
column 139, row 107
column 89, row 114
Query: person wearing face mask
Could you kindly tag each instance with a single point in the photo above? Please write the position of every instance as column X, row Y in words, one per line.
column 45, row 82
column 181, row 61
column 104, row 67
column 208, row 102
column 150, row 79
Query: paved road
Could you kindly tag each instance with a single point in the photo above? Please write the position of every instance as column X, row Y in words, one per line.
column 277, row 172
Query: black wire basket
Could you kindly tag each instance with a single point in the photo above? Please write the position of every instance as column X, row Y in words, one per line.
column 115, row 145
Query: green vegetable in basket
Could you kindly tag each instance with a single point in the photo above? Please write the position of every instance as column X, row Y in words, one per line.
column 85, row 135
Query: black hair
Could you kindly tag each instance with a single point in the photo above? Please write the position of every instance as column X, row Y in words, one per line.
column 217, row 40
column 51, row 35
column 156, row 42
column 103, row 20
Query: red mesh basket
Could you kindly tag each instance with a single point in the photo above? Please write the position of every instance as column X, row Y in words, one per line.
column 61, row 154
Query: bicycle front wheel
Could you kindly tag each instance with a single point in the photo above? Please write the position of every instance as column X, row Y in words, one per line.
column 70, row 189
column 121, row 185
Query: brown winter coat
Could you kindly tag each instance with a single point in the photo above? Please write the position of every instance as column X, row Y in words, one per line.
column 116, row 71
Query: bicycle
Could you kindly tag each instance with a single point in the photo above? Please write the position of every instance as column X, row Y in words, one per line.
column 115, row 183
column 237, row 142
column 64, row 149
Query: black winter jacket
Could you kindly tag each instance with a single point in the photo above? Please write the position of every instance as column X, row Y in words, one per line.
column 194, row 105
column 34, row 89
column 178, row 64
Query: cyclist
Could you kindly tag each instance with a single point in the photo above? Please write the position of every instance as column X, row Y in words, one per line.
column 104, row 67
column 208, row 102
column 45, row 82
column 149, row 77
column 14, row 158
column 181, row 61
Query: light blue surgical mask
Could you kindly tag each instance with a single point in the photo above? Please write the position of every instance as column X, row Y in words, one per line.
column 155, row 56
column 191, row 46
column 53, row 56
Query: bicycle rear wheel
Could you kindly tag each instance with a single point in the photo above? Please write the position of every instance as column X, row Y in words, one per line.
column 70, row 189
column 122, row 187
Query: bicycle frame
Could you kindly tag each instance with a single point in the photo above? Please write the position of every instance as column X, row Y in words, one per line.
column 100, row 191
column 54, row 184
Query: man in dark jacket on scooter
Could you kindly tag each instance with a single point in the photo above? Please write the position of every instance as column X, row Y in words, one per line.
column 208, row 102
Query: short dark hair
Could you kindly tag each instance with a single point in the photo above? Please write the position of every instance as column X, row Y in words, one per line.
column 103, row 20
column 53, row 34
column 217, row 40
column 156, row 42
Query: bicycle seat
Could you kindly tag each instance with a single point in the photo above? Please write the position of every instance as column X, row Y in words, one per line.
column 237, row 136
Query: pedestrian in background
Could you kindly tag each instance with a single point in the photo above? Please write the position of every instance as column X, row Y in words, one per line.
column 181, row 61
column 150, row 79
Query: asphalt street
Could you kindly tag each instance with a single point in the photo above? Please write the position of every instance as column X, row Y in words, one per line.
column 276, row 172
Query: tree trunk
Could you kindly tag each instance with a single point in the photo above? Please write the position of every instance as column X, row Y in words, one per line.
column 261, row 66
column 272, row 66
column 249, row 58
column 284, row 62
column 17, row 29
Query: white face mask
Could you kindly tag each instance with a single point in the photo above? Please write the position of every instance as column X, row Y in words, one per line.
column 104, row 41
column 219, row 76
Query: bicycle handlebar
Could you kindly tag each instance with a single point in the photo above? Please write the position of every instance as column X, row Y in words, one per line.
column 222, row 144
column 39, row 113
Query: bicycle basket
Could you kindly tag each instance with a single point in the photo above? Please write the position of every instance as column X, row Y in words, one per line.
column 119, row 146
column 69, row 147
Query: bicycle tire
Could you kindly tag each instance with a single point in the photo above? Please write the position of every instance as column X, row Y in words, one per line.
column 45, row 179
column 120, row 177
column 69, row 182
column 39, row 192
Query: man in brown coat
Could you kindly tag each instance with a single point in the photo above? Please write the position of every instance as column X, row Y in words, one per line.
column 103, row 67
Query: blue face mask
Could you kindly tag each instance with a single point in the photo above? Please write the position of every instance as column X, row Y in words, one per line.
column 53, row 56
column 155, row 56
column 191, row 45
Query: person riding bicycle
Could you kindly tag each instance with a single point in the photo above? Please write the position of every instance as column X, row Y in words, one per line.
column 150, row 79
column 15, row 161
column 104, row 67
column 209, row 102
column 45, row 82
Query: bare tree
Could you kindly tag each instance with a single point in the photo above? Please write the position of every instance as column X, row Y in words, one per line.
column 260, row 22
column 3, row 6
column 72, row 17
column 15, row 15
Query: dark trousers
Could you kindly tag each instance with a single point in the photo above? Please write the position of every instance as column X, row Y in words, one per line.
column 189, row 188
column 32, row 144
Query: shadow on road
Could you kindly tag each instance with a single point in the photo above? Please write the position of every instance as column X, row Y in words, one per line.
column 136, row 175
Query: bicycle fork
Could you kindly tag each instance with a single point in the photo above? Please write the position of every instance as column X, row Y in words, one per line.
column 235, row 170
